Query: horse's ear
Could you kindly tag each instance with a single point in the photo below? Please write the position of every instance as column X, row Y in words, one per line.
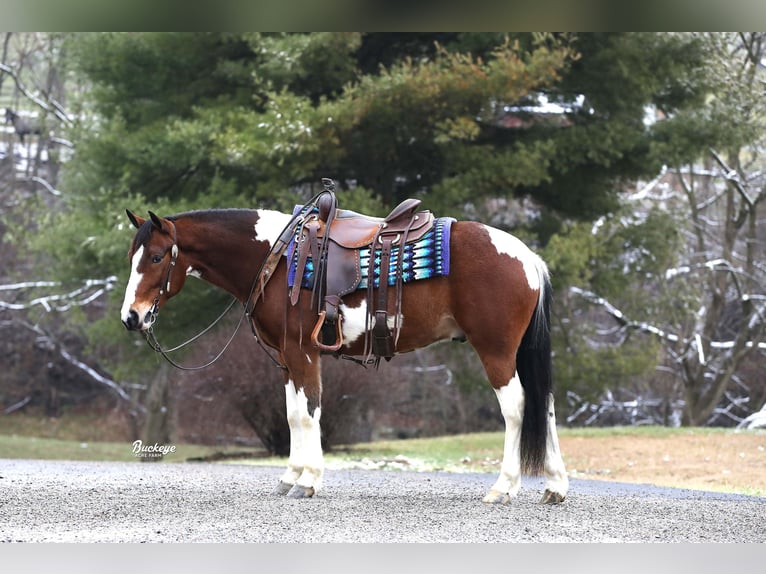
column 158, row 222
column 135, row 219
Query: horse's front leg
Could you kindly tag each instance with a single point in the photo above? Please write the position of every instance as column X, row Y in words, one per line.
column 295, row 460
column 305, row 466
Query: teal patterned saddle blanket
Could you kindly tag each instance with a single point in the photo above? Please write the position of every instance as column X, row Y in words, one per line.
column 425, row 258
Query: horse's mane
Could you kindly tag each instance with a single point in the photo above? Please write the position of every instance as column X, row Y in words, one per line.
column 225, row 215
column 221, row 214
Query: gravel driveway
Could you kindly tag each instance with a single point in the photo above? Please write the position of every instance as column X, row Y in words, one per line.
column 45, row 501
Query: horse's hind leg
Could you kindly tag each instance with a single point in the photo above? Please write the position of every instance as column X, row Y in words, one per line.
column 556, row 479
column 511, row 399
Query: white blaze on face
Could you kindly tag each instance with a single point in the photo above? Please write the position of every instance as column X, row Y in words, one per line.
column 133, row 283
column 534, row 268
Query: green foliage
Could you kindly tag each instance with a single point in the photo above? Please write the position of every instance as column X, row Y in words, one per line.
column 402, row 130
column 147, row 77
column 621, row 258
column 310, row 65
column 262, row 114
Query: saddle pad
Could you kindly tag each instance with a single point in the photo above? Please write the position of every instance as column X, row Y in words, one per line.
column 425, row 258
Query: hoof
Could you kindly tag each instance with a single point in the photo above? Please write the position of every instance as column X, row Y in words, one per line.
column 282, row 488
column 298, row 491
column 495, row 497
column 550, row 497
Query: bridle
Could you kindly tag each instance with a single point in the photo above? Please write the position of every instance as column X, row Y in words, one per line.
column 265, row 272
column 154, row 311
column 165, row 286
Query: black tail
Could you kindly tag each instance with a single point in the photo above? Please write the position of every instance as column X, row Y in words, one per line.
column 533, row 364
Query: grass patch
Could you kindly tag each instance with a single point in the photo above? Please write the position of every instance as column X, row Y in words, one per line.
column 71, row 426
column 643, row 431
column 15, row 446
column 722, row 460
column 475, row 452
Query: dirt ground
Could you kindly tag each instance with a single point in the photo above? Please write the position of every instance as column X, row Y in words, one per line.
column 726, row 462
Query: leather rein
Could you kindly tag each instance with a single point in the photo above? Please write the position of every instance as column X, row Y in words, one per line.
column 265, row 272
column 151, row 338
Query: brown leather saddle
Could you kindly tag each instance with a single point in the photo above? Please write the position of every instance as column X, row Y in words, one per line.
column 332, row 238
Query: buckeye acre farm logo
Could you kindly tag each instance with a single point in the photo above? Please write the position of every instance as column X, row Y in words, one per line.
column 141, row 450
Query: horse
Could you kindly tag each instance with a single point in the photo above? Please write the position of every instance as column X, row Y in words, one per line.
column 496, row 296
column 20, row 125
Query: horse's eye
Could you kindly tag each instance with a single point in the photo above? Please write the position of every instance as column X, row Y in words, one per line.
column 157, row 259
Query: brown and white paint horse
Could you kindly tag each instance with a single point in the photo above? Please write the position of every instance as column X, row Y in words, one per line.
column 496, row 296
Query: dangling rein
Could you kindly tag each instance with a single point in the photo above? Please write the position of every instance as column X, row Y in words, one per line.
column 265, row 272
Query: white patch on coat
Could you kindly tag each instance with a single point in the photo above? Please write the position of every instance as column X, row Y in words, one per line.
column 193, row 272
column 270, row 225
column 354, row 321
column 133, row 283
column 534, row 267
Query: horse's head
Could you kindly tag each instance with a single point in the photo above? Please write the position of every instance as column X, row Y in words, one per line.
column 9, row 116
column 155, row 275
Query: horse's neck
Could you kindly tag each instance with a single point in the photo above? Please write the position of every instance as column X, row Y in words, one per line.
column 225, row 254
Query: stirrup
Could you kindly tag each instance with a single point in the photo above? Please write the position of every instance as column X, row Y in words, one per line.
column 317, row 331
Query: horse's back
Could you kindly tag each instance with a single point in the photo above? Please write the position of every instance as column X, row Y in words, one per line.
column 491, row 290
column 478, row 251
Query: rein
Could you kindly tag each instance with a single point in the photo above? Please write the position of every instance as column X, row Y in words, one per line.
column 154, row 344
column 151, row 338
column 265, row 272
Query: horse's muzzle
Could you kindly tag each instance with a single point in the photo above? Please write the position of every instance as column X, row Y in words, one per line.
column 132, row 323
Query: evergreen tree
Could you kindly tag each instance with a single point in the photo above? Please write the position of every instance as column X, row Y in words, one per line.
column 176, row 121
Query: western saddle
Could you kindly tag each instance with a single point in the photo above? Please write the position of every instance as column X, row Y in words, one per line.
column 333, row 238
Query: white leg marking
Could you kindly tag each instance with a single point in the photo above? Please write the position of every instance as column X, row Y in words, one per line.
column 313, row 459
column 270, row 225
column 555, row 472
column 133, row 283
column 534, row 268
column 354, row 319
column 511, row 398
column 295, row 461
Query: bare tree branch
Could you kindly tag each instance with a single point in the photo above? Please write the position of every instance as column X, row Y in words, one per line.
column 75, row 298
column 50, row 106
column 52, row 190
column 72, row 360
column 650, row 329
column 733, row 177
